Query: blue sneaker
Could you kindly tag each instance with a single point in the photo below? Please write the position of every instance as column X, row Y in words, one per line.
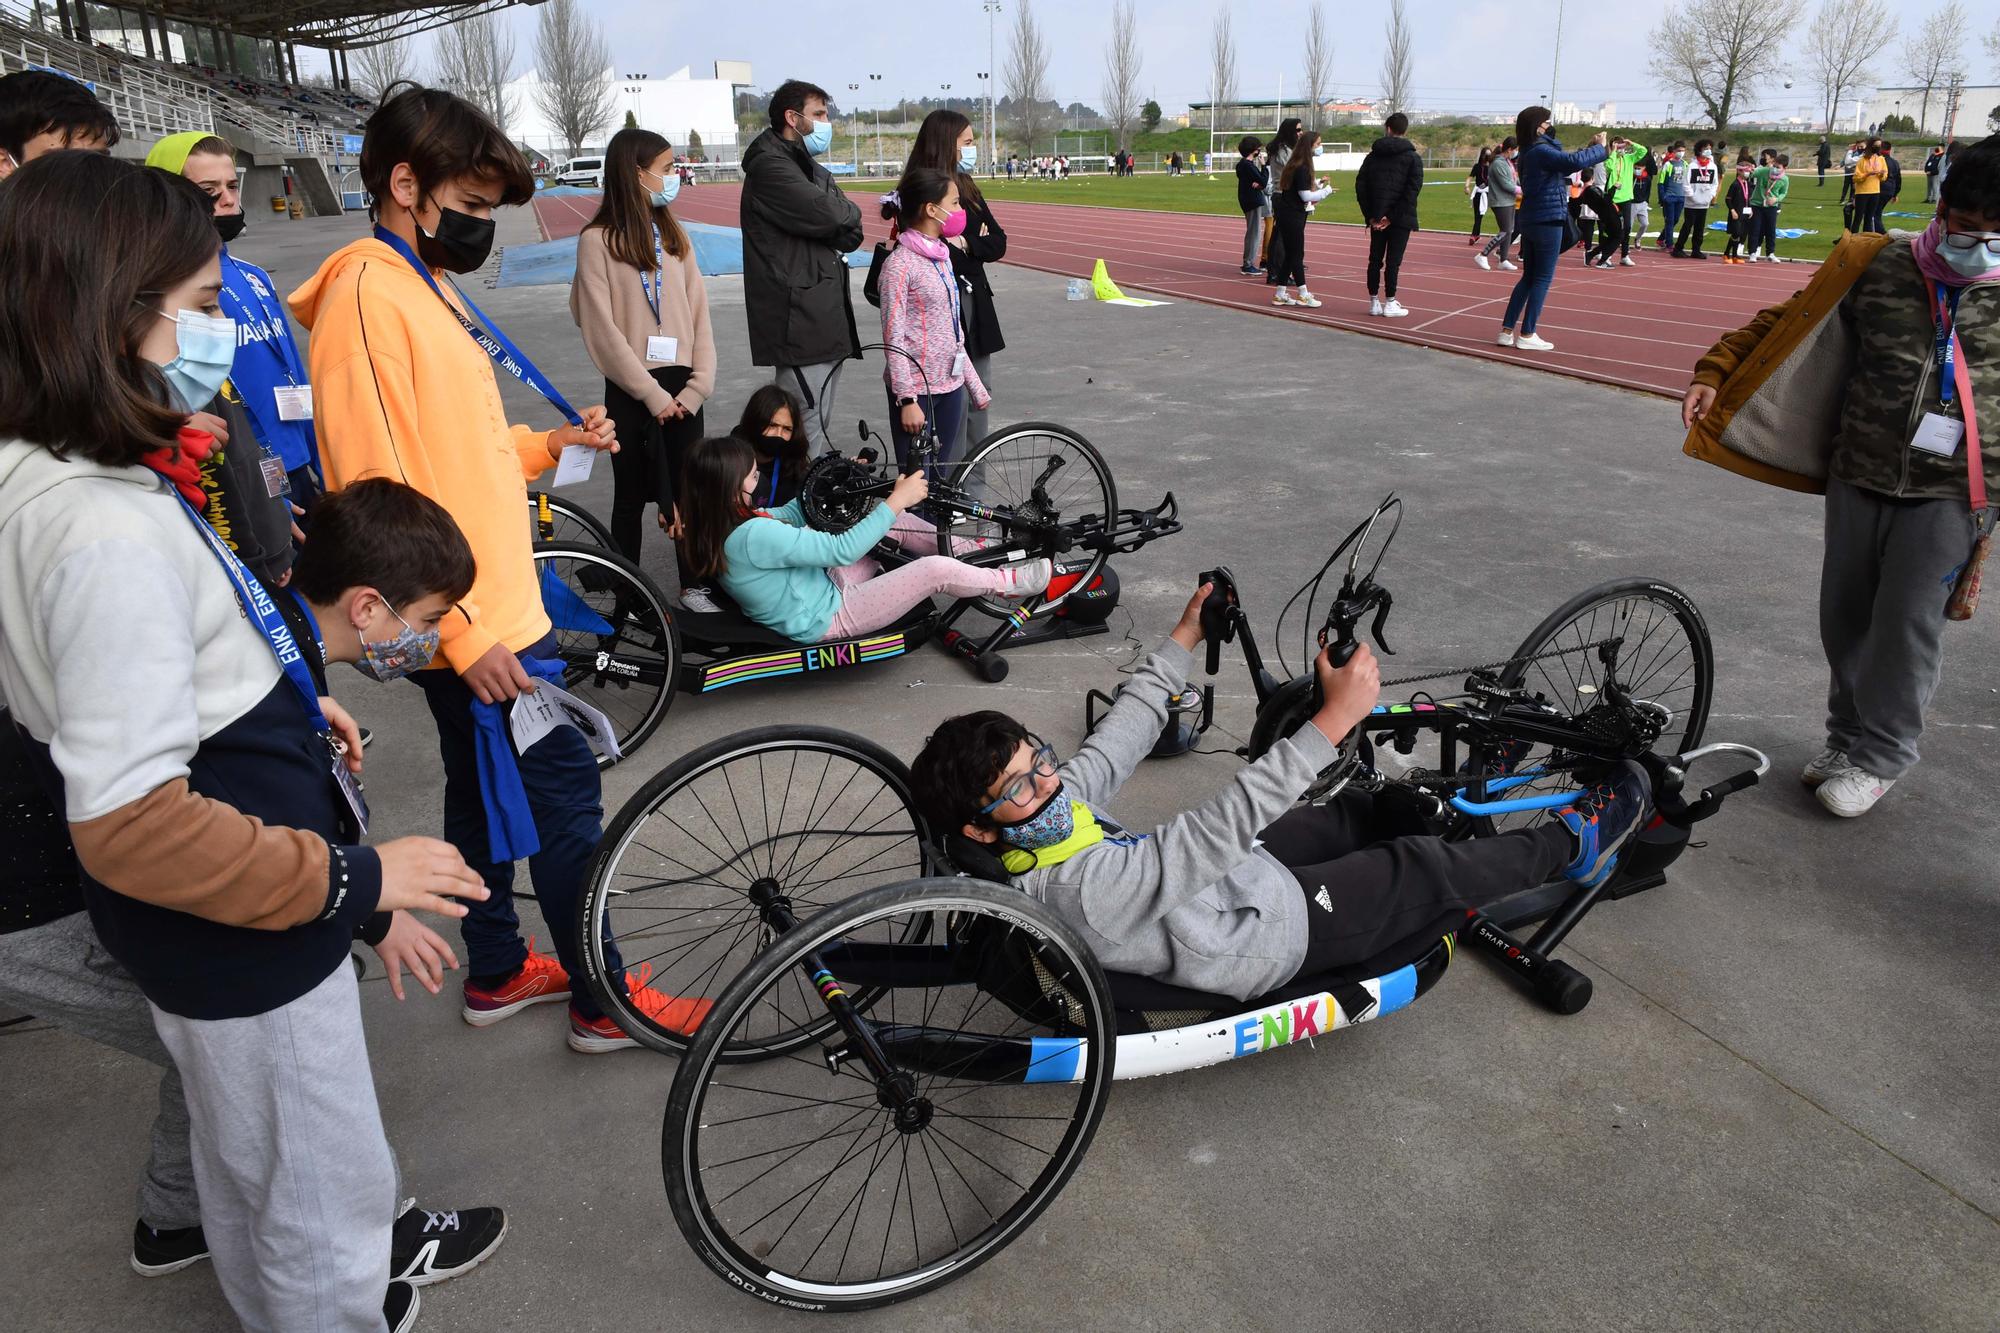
column 1604, row 819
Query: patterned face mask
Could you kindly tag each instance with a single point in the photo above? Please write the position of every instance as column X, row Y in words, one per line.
column 1051, row 824
column 393, row 659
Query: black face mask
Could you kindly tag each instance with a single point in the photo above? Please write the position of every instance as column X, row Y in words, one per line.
column 229, row 226
column 460, row 245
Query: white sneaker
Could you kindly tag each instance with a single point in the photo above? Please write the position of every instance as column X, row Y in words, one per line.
column 1393, row 309
column 1823, row 766
column 1509, row 265
column 699, row 601
column 1307, row 298
column 1853, row 791
column 1483, row 262
column 1749, row 259
column 1506, row 338
column 1283, row 298
column 1627, row 262
column 1374, row 305
column 1529, row 342
column 1030, row 578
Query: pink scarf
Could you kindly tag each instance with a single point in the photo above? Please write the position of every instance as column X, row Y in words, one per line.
column 1931, row 264
column 928, row 246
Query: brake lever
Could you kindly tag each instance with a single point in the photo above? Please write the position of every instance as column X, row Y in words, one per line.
column 1382, row 605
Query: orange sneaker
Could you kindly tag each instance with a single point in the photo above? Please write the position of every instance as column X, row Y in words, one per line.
column 539, row 980
column 676, row 1013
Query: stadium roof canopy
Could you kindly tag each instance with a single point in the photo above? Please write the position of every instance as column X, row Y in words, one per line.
column 341, row 24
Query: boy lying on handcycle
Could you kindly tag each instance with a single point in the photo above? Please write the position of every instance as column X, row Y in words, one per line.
column 1246, row 891
column 811, row 586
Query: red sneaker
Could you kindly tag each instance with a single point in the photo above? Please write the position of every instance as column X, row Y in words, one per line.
column 677, row 1013
column 540, row 980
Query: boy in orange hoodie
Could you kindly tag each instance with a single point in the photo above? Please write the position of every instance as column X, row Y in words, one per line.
column 402, row 370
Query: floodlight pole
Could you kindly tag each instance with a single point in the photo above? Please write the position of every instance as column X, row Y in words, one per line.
column 1555, row 61
column 991, row 7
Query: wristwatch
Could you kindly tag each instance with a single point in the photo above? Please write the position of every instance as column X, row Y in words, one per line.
column 906, row 402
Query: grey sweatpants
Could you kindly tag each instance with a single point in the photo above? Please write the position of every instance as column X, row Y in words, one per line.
column 59, row 972
column 972, row 426
column 1887, row 574
column 298, row 1188
column 806, row 383
column 1253, row 235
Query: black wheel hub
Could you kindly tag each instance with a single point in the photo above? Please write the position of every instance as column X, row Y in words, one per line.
column 772, row 904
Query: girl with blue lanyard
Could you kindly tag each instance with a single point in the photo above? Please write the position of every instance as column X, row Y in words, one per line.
column 930, row 375
column 640, row 301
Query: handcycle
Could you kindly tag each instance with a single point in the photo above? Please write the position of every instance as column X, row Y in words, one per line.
column 911, row 1058
column 1027, row 491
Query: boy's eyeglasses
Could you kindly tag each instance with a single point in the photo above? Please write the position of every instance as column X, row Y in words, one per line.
column 1020, row 787
column 1966, row 240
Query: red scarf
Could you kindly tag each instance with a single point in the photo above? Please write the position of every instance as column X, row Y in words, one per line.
column 182, row 465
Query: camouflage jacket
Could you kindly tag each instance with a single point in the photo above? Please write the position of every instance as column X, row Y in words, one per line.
column 1895, row 381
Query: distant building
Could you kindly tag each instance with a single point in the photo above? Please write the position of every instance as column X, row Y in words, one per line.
column 1571, row 113
column 1257, row 114
column 1974, row 102
column 670, row 105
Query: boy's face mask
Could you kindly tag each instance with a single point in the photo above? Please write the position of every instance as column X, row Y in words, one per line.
column 1050, row 824
column 408, row 651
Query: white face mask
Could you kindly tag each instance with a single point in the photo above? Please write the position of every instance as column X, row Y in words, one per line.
column 1976, row 262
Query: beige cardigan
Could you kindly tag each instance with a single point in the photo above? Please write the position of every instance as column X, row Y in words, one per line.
column 610, row 307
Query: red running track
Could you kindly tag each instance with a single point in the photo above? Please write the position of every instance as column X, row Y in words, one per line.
column 1641, row 328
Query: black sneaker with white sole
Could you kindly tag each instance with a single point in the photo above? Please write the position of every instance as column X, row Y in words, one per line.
column 157, row 1253
column 399, row 1307
column 427, row 1247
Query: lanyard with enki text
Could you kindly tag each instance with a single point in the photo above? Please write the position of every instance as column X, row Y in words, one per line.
column 1952, row 379
column 486, row 333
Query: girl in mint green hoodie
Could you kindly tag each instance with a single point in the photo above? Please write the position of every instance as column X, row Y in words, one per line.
column 813, row 586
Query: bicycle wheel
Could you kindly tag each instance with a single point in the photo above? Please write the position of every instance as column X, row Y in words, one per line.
column 1047, row 472
column 558, row 520
column 809, row 1182
column 682, row 877
column 1664, row 659
column 620, row 648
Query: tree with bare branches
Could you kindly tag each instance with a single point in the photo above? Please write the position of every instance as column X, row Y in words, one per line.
column 1027, row 75
column 1398, row 59
column 1121, row 72
column 1319, row 65
column 377, row 67
column 1844, row 39
column 475, row 58
column 1222, row 62
column 572, row 63
column 1936, row 51
column 1718, row 52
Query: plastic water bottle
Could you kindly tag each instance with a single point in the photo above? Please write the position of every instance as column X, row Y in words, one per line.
column 1079, row 289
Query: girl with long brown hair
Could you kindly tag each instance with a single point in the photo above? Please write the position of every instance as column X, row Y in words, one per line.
column 1297, row 192
column 946, row 141
column 640, row 301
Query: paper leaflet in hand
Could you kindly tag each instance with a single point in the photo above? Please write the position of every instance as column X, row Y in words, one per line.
column 540, row 711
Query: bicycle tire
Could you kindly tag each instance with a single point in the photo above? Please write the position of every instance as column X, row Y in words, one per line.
column 991, row 480
column 569, row 522
column 689, row 1116
column 642, row 651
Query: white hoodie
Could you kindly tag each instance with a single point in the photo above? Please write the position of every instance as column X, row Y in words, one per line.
column 1703, row 175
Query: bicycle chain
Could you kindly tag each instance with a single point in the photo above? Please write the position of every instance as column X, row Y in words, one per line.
column 1502, row 665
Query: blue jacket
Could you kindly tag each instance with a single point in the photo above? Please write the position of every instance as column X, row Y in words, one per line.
column 1545, row 170
column 266, row 357
column 1673, row 181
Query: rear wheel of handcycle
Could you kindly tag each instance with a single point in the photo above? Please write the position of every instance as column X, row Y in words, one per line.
column 686, row 875
column 793, row 1179
column 555, row 519
column 615, row 633
column 1665, row 659
column 1042, row 469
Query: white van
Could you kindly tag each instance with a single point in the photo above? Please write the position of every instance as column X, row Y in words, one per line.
column 584, row 172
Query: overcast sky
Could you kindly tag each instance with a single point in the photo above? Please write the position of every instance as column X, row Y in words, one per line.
column 1471, row 55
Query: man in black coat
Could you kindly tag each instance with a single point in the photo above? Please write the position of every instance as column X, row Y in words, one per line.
column 1387, row 186
column 797, row 229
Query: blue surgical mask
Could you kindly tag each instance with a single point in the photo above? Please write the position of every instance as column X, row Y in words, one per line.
column 206, row 349
column 1051, row 824
column 392, row 659
column 663, row 197
column 968, row 157
column 1975, row 262
column 820, row 138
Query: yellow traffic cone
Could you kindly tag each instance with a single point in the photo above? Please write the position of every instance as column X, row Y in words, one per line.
column 1101, row 285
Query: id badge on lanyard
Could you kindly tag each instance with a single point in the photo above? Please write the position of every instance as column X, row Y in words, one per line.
column 1939, row 432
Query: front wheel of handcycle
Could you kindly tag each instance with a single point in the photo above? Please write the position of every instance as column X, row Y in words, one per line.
column 615, row 635
column 1049, row 474
column 831, row 1179
column 556, row 519
column 698, row 863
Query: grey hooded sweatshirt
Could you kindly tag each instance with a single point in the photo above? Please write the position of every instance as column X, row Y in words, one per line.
column 1197, row 902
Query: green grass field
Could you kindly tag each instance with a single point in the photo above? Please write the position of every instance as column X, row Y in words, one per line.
column 1444, row 206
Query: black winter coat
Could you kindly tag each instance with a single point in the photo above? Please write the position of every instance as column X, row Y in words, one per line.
column 985, row 244
column 1389, row 182
column 797, row 229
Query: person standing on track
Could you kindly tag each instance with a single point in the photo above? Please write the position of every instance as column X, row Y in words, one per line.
column 1279, row 155
column 1477, row 189
column 1621, row 182
column 1504, row 187
column 1544, row 167
column 1769, row 187
column 947, row 142
column 1869, row 174
column 1703, row 176
column 798, row 226
column 1387, row 187
column 1253, row 186
column 1673, row 192
column 1296, row 194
